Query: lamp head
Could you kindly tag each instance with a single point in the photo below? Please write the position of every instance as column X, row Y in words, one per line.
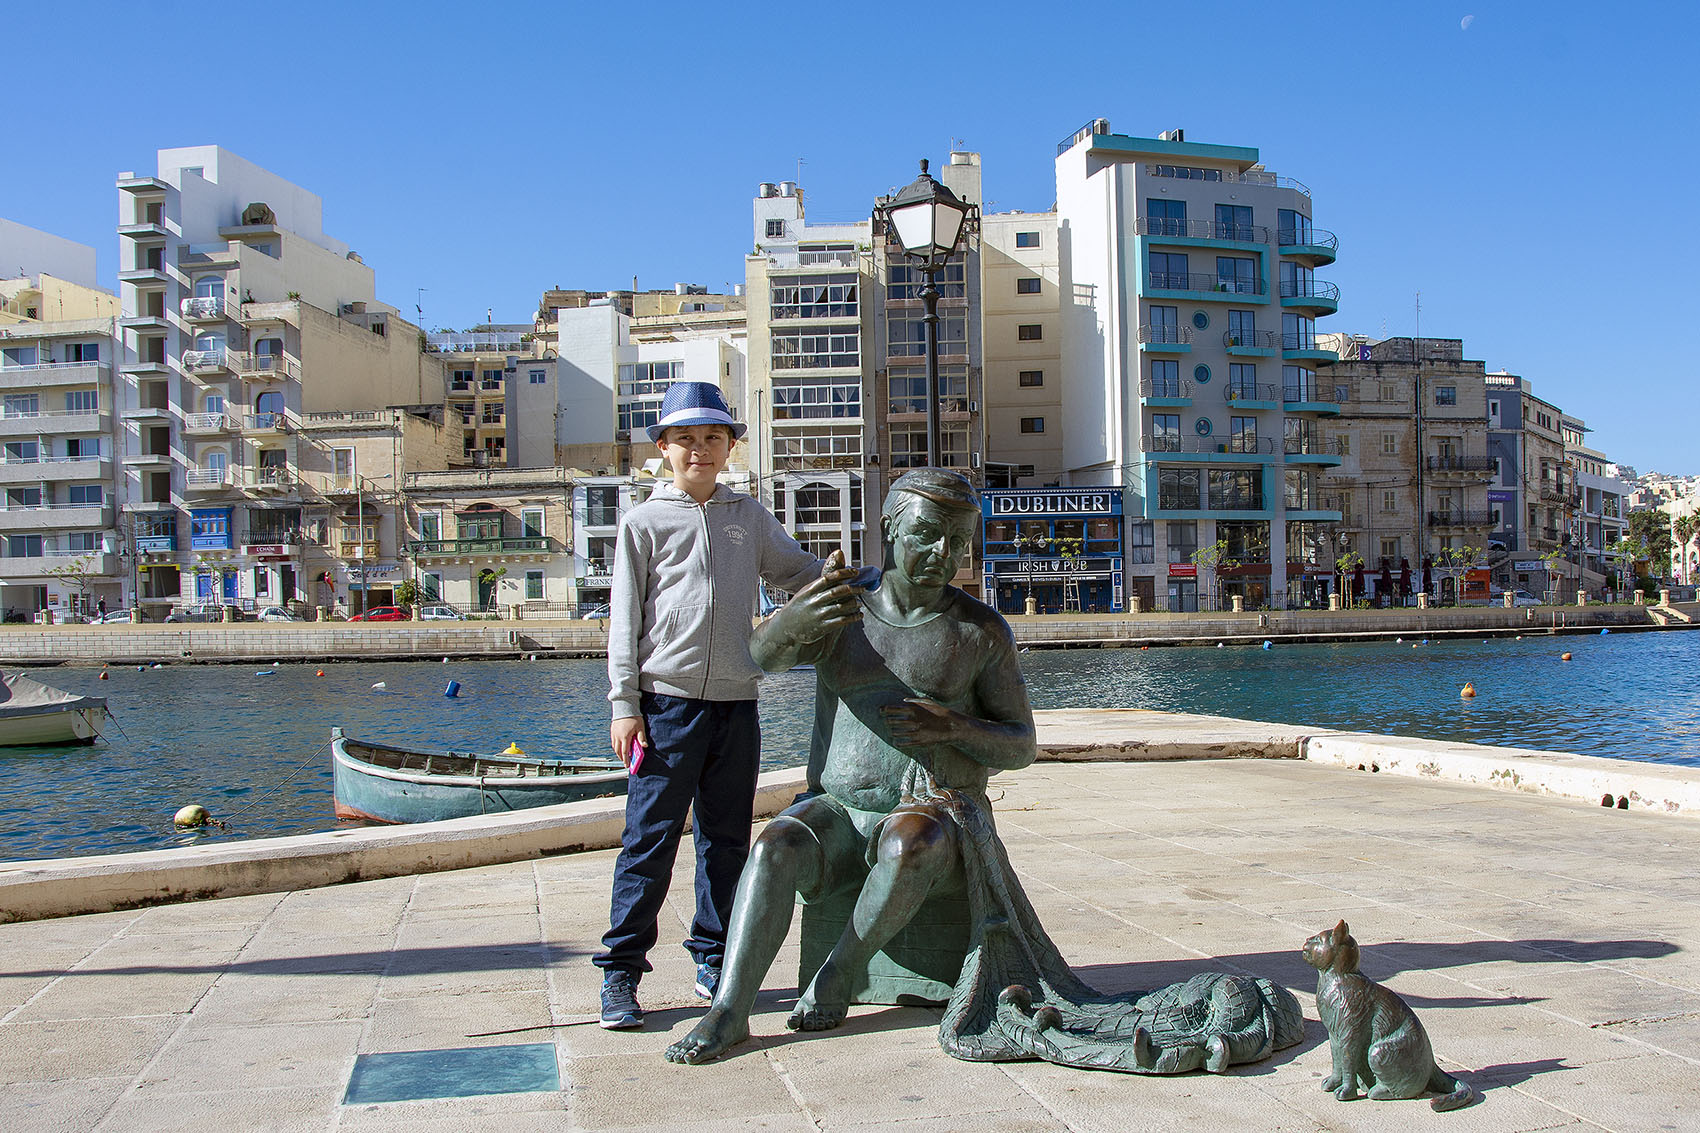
column 926, row 218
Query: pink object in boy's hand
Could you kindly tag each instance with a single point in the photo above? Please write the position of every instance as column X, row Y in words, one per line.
column 637, row 756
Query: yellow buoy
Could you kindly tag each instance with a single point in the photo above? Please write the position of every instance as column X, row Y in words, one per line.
column 192, row 815
column 513, row 749
column 1468, row 691
column 1564, row 656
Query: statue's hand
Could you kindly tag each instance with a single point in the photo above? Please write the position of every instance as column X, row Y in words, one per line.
column 823, row 605
column 919, row 720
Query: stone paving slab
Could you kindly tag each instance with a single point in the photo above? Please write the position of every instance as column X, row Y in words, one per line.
column 1546, row 944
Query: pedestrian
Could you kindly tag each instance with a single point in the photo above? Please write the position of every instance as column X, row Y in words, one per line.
column 683, row 685
column 101, row 606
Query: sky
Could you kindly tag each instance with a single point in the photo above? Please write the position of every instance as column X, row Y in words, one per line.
column 1519, row 166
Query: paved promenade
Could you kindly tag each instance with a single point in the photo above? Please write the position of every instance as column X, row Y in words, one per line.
column 1550, row 947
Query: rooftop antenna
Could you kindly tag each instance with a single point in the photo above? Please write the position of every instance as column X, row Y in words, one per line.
column 419, row 304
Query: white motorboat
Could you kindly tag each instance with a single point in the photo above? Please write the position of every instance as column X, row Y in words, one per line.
column 33, row 714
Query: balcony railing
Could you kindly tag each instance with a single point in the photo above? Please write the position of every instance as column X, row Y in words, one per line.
column 276, row 421
column 1160, row 226
column 1312, row 501
column 155, row 544
column 1165, row 333
column 1313, row 393
column 202, row 308
column 1165, row 387
column 427, row 548
column 1462, row 464
column 1253, row 339
column 1302, row 341
column 1550, row 534
column 1310, row 289
column 1199, row 281
column 1311, row 444
column 271, row 479
column 1314, row 238
column 1472, row 518
column 205, row 361
column 1171, row 442
column 264, row 365
column 1249, row 391
column 208, row 423
column 206, row 479
column 1228, row 177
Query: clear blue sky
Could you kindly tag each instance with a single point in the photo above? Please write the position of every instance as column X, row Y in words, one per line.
column 1526, row 172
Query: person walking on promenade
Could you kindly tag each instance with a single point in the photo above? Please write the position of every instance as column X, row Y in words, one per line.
column 683, row 685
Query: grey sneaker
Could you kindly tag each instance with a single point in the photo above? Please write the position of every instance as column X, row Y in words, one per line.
column 708, row 980
column 620, row 1010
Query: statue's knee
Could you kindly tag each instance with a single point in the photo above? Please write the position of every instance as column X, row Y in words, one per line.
column 915, row 842
column 784, row 839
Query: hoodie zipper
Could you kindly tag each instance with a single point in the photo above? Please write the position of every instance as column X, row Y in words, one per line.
column 708, row 557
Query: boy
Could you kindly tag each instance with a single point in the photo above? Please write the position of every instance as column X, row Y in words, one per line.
column 683, row 685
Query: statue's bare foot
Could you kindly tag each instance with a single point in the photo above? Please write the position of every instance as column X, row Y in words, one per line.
column 714, row 1035
column 824, row 1005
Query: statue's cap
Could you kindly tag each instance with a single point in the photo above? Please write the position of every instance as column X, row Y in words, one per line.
column 952, row 489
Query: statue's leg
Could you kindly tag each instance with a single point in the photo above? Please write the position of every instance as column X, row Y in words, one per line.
column 786, row 857
column 915, row 852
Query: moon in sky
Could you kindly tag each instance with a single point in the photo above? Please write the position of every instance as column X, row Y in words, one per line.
column 1464, row 24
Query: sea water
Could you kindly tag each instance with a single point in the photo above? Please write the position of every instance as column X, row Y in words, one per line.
column 254, row 749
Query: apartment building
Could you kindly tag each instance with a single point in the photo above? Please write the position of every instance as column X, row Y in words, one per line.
column 1021, row 331
column 1414, row 472
column 1192, row 377
column 481, row 365
column 492, row 540
column 1601, row 515
column 1532, row 486
column 240, row 316
column 60, row 545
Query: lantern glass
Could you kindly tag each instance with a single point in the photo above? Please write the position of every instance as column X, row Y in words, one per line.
column 929, row 228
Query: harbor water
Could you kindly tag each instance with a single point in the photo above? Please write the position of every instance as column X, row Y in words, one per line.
column 253, row 749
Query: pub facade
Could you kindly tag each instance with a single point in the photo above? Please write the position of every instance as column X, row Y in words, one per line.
column 1059, row 547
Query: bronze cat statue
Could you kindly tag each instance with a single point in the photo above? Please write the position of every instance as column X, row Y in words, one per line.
column 1375, row 1039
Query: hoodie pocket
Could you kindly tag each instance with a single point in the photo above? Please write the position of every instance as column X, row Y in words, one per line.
column 682, row 644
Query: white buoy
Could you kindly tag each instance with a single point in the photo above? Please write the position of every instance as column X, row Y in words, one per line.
column 380, row 687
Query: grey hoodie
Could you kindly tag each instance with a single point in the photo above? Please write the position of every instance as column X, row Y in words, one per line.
column 684, row 595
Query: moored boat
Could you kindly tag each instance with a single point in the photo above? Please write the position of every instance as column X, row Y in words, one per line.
column 381, row 783
column 34, row 715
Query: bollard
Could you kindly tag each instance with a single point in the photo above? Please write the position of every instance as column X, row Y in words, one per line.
column 135, row 615
column 1135, row 604
column 1664, row 597
column 1238, row 601
column 1334, row 601
column 1031, row 606
column 1581, row 597
column 1422, row 600
column 1640, row 598
column 1509, row 603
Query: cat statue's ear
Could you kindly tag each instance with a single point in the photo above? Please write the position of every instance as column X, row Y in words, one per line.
column 1341, row 932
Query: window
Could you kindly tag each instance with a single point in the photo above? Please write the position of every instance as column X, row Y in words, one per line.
column 1243, row 434
column 1237, row 274
column 1242, row 380
column 1297, row 332
column 23, row 497
column 775, row 230
column 1182, row 539
column 82, row 401
column 1343, row 443
column 601, row 506
column 1186, row 173
column 534, row 585
column 492, row 414
column 1140, row 540
column 1390, row 444
column 1242, row 328
column 906, row 282
column 1027, row 285
column 21, row 405
column 1294, row 227
column 1299, row 384
column 21, row 452
column 1164, row 324
column 1165, row 432
column 838, row 446
column 1165, row 377
column 814, row 297
column 1446, row 395
column 18, row 355
column 906, row 336
column 1030, row 378
column 1178, row 490
column 1026, row 239
column 86, row 495
column 82, row 541
column 1389, row 500
column 82, row 448
column 795, row 401
column 490, row 379
column 818, row 348
column 539, row 377
column 1165, row 218
column 1029, row 332
column 531, row 522
column 1235, row 489
column 1390, row 550
column 23, row 546
column 460, row 380
column 1170, row 270
column 1233, row 222
column 1032, row 424
column 1248, row 541
column 909, row 447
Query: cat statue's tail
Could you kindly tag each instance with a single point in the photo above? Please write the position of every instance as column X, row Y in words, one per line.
column 1457, row 1092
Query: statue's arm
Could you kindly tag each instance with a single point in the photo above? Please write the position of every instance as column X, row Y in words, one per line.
column 797, row 631
column 1001, row 738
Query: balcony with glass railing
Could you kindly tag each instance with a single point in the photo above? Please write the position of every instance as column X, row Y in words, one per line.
column 1163, row 229
column 40, row 517
column 36, row 375
column 1202, row 285
column 35, row 469
column 23, row 423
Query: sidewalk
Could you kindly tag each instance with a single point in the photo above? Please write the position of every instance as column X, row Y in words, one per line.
column 1549, row 947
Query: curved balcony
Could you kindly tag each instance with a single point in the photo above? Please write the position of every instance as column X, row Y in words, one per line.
column 1317, row 244
column 1305, row 348
column 265, row 481
column 265, row 367
column 1204, row 285
column 206, row 479
column 479, row 548
column 206, row 361
column 1317, row 296
column 1312, row 448
column 1251, row 343
column 1175, row 392
column 1251, row 395
column 203, row 309
column 208, row 424
column 1314, row 397
column 1163, row 337
column 1191, row 447
column 1161, row 228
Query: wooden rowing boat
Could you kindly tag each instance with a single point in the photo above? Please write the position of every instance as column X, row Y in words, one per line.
column 380, row 783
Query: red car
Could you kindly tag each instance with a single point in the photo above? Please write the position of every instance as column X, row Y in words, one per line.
column 381, row 614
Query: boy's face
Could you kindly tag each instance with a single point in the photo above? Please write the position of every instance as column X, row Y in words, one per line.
column 697, row 454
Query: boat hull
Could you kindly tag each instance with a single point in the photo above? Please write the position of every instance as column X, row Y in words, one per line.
column 57, row 726
column 369, row 792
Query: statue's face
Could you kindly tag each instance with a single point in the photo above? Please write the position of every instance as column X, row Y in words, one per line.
column 930, row 542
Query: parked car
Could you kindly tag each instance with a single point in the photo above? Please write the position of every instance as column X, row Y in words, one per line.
column 112, row 618
column 274, row 614
column 1522, row 598
column 202, row 613
column 381, row 614
column 590, row 612
column 440, row 614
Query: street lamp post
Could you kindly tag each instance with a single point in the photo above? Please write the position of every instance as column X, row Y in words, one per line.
column 927, row 220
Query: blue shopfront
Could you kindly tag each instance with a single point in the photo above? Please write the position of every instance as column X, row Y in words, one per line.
column 1060, row 547
column 209, row 530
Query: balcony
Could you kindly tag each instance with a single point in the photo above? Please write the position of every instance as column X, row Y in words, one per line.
column 208, row 424
column 1475, row 518
column 148, row 321
column 53, row 374
column 265, row 367
column 1251, row 395
column 1176, row 392
column 1163, row 338
column 147, row 458
column 1200, row 285
column 1312, row 448
column 143, row 230
column 202, row 309
column 24, row 471
column 156, row 544
column 1316, row 505
column 147, row 274
column 266, row 424
column 1251, row 343
column 1304, row 347
column 49, row 516
column 1316, row 244
column 1172, row 445
column 1313, row 397
column 43, row 566
column 205, row 362
column 53, row 423
column 357, row 549
column 1315, row 296
column 479, row 548
column 268, row 481
column 1472, row 467
column 206, row 479
column 1162, row 229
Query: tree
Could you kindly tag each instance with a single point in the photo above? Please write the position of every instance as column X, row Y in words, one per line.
column 1455, row 562
column 1651, row 527
column 1684, row 527
column 80, row 573
column 1214, row 558
column 1347, row 564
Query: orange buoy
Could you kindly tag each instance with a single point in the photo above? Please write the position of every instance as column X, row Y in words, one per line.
column 318, row 672
column 1468, row 691
column 1564, row 656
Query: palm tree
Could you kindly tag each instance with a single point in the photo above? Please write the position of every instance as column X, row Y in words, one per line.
column 1683, row 529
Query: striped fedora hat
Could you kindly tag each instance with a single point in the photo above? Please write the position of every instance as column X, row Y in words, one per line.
column 694, row 403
